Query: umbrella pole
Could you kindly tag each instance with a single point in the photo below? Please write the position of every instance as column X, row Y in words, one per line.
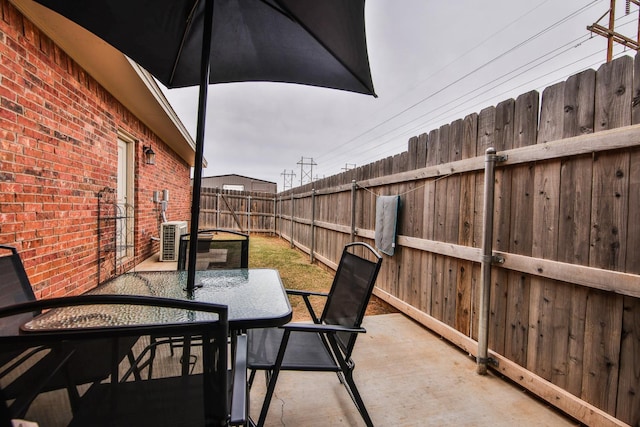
column 202, row 115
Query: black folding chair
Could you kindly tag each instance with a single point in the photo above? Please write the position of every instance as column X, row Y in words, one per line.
column 46, row 371
column 217, row 248
column 327, row 344
column 201, row 399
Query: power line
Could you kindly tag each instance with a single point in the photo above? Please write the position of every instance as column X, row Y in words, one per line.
column 465, row 96
column 578, row 42
column 474, row 71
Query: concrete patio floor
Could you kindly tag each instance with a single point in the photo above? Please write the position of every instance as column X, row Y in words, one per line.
column 407, row 377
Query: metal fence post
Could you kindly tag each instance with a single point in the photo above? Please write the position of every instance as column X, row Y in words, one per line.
column 291, row 237
column 275, row 218
column 280, row 218
column 354, row 187
column 249, row 214
column 217, row 209
column 487, row 252
column 313, row 224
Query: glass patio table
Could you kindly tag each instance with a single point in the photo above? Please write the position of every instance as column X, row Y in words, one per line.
column 255, row 298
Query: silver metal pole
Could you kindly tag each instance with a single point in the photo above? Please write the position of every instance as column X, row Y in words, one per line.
column 280, row 218
column 249, row 214
column 487, row 251
column 354, row 187
column 217, row 209
column 291, row 237
column 275, row 215
column 313, row 224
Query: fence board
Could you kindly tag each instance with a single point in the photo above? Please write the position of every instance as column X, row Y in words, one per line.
column 520, row 228
column 574, row 225
column 628, row 404
column 603, row 321
column 438, row 294
column 419, row 258
column 428, row 225
column 503, row 140
column 543, row 293
column 628, row 407
column 451, row 223
column 465, row 280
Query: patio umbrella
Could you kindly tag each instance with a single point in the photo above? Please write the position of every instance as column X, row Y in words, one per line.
column 197, row 42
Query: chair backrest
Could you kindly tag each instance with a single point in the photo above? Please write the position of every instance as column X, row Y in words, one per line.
column 217, row 248
column 14, row 287
column 134, row 316
column 350, row 291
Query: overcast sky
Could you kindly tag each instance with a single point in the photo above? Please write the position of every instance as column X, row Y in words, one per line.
column 432, row 62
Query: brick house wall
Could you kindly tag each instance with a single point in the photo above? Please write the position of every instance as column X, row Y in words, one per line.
column 58, row 149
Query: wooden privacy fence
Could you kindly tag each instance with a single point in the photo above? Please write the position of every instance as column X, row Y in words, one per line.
column 564, row 292
column 249, row 212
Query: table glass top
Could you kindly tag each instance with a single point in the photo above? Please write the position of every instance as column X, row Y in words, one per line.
column 255, row 298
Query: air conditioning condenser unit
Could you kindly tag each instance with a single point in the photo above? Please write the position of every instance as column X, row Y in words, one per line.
column 170, row 233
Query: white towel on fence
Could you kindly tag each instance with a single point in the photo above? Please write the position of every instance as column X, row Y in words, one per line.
column 386, row 223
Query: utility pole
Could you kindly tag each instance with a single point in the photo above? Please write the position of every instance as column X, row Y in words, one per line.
column 349, row 166
column 610, row 33
column 304, row 171
column 287, row 179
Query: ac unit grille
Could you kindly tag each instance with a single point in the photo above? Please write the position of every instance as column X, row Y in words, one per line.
column 170, row 239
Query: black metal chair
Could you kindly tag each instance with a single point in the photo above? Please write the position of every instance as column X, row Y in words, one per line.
column 201, row 399
column 217, row 248
column 42, row 364
column 327, row 344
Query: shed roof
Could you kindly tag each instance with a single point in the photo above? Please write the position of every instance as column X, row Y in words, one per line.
column 238, row 176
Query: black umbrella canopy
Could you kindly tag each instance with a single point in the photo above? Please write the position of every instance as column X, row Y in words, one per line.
column 196, row 42
column 311, row 42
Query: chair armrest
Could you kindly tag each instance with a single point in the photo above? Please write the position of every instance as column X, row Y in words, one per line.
column 239, row 395
column 305, row 296
column 306, row 293
column 314, row 327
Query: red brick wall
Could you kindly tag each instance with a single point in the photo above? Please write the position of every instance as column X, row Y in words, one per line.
column 58, row 149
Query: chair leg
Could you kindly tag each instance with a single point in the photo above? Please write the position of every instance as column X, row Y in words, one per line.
column 273, row 379
column 350, row 385
column 252, row 375
column 267, row 398
column 346, row 378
